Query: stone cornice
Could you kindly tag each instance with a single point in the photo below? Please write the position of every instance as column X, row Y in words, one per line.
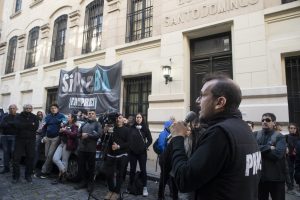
column 138, row 46
column 15, row 14
column 28, row 72
column 21, row 40
column 95, row 56
column 45, row 31
column 35, row 3
column 55, row 65
column 113, row 5
column 74, row 18
column 9, row 76
column 2, row 47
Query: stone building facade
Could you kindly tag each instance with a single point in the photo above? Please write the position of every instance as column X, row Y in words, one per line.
column 256, row 42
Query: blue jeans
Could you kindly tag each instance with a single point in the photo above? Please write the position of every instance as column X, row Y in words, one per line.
column 8, row 145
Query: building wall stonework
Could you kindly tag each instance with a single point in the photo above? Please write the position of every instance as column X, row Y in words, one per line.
column 263, row 33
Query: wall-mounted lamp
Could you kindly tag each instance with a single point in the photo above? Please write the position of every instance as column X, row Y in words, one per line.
column 167, row 73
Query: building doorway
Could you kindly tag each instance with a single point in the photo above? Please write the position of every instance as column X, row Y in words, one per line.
column 136, row 93
column 208, row 54
column 292, row 68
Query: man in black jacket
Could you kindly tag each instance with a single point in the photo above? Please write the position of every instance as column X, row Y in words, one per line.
column 27, row 124
column 117, row 156
column 273, row 147
column 89, row 133
column 227, row 162
column 8, row 138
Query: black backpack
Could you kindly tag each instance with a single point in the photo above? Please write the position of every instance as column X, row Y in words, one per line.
column 155, row 147
column 136, row 188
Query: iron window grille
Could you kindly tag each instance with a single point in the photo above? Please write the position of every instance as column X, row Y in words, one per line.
column 139, row 20
column 92, row 33
column 292, row 65
column 11, row 55
column 51, row 98
column 18, row 5
column 137, row 91
column 58, row 39
column 32, row 47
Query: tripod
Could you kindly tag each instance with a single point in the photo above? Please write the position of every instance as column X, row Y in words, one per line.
column 100, row 162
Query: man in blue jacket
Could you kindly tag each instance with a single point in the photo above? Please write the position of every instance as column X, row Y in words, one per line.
column 53, row 122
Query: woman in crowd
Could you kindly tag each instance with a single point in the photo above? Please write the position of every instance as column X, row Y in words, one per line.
column 68, row 136
column 291, row 140
column 140, row 140
column 117, row 157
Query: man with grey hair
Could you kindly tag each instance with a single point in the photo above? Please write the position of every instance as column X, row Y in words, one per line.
column 27, row 124
column 8, row 137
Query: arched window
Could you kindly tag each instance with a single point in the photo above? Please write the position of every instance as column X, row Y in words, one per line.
column 31, row 47
column 93, row 26
column 11, row 54
column 139, row 20
column 58, row 38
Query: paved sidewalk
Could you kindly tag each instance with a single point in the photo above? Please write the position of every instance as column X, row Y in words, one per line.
column 42, row 189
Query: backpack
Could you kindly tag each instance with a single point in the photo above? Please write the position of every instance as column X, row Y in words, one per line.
column 156, row 149
column 136, row 188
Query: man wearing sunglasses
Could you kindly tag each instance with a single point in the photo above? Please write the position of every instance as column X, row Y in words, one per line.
column 272, row 146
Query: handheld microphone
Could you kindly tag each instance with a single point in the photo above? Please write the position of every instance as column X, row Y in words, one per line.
column 190, row 117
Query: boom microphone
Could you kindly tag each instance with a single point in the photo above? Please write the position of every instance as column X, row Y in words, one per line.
column 190, row 117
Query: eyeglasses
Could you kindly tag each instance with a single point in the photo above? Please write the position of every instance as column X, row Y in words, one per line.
column 266, row 120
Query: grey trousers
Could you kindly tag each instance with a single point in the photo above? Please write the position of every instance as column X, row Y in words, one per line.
column 50, row 147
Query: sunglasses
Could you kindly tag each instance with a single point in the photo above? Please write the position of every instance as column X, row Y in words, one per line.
column 266, row 120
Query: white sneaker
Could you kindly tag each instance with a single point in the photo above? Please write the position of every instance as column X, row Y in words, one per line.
column 145, row 192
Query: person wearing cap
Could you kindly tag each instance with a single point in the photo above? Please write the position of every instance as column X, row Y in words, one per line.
column 27, row 123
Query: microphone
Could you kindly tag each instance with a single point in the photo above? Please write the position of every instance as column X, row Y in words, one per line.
column 190, row 117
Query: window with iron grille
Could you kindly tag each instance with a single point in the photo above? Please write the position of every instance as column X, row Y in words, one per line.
column 51, row 98
column 92, row 33
column 11, row 55
column 136, row 95
column 139, row 20
column 31, row 47
column 18, row 5
column 292, row 66
column 58, row 39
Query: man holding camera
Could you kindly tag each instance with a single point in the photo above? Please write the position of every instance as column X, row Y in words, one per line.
column 226, row 163
column 89, row 133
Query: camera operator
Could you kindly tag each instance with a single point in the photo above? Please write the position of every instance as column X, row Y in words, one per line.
column 227, row 162
column 117, row 156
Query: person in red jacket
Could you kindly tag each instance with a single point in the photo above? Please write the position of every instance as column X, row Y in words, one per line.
column 68, row 137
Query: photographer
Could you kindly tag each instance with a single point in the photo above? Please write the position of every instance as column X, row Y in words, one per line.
column 140, row 140
column 226, row 164
column 117, row 156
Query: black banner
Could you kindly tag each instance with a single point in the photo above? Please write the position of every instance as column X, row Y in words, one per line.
column 95, row 88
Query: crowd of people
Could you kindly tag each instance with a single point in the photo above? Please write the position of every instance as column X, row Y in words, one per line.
column 217, row 155
column 122, row 141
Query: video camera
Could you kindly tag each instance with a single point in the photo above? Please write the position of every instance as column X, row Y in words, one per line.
column 108, row 118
